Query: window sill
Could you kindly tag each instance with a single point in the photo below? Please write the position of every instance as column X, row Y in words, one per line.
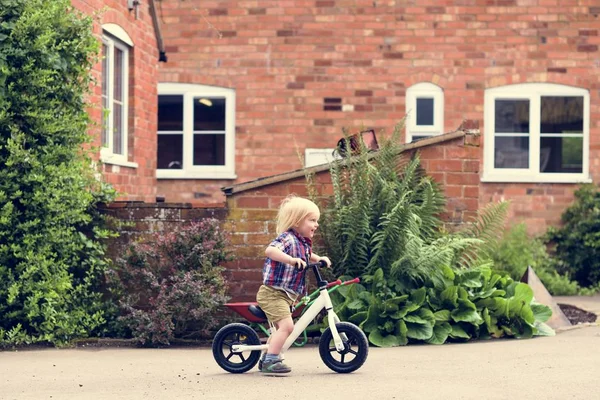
column 561, row 178
column 111, row 160
column 181, row 174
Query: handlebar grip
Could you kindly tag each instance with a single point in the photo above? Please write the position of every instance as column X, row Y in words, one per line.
column 355, row 280
column 317, row 264
column 330, row 284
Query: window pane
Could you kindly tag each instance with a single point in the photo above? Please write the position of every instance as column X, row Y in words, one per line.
column 105, row 105
column 561, row 154
column 170, row 152
column 511, row 152
column 118, row 75
column 512, row 116
column 425, row 112
column 117, row 128
column 209, row 149
column 209, row 114
column 562, row 115
column 170, row 113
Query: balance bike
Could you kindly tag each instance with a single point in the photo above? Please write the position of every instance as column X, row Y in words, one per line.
column 343, row 347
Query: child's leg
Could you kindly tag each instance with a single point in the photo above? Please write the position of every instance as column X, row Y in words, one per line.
column 277, row 340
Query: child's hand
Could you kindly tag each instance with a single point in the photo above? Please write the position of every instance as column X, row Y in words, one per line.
column 327, row 261
column 298, row 262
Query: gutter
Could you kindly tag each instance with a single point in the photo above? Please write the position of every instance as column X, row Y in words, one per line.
column 162, row 55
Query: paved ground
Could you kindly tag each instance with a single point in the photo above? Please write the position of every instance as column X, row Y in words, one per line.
column 566, row 366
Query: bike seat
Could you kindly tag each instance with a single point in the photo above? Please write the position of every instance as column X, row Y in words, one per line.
column 257, row 312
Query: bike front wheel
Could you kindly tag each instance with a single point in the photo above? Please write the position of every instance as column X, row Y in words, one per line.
column 222, row 348
column 356, row 348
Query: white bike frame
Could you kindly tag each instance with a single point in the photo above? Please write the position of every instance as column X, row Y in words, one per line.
column 323, row 301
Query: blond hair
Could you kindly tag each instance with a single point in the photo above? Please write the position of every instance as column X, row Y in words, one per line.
column 293, row 210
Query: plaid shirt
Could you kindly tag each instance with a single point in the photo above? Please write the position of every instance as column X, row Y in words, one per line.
column 286, row 276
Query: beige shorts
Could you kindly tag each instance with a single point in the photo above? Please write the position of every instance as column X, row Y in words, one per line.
column 274, row 302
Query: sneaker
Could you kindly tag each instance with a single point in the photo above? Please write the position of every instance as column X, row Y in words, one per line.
column 274, row 367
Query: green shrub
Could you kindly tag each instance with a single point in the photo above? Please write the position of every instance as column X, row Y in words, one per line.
column 51, row 255
column 517, row 250
column 577, row 242
column 171, row 285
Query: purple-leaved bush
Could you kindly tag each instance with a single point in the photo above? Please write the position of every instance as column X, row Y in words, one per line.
column 172, row 285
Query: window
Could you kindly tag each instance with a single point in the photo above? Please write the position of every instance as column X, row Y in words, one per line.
column 196, row 132
column 536, row 132
column 115, row 91
column 424, row 110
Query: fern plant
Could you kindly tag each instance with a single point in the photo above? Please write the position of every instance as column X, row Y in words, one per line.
column 376, row 202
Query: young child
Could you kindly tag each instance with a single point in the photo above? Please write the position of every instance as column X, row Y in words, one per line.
column 284, row 273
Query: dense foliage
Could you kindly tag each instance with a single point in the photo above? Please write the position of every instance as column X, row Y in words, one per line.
column 171, row 285
column 51, row 256
column 518, row 250
column 577, row 242
column 420, row 283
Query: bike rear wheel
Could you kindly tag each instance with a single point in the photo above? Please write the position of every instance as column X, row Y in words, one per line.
column 222, row 348
column 356, row 348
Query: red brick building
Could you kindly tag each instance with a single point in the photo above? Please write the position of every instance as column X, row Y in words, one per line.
column 251, row 85
column 290, row 75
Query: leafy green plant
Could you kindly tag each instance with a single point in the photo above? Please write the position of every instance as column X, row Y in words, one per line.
column 171, row 285
column 420, row 283
column 473, row 303
column 52, row 255
column 577, row 242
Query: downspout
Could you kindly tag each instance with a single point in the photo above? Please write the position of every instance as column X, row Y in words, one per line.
column 162, row 55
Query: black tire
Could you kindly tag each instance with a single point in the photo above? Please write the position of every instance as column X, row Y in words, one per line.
column 356, row 348
column 229, row 360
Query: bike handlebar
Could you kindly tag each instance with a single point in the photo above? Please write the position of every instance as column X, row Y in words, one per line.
column 350, row 282
column 317, row 264
column 321, row 282
column 330, row 284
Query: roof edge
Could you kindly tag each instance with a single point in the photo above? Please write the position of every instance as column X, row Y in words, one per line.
column 270, row 180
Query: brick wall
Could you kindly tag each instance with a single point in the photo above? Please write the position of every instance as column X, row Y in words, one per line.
column 146, row 219
column 133, row 183
column 284, row 59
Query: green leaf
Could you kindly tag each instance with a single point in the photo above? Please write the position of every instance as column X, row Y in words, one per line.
column 449, row 296
column 541, row 312
column 442, row 316
column 356, row 304
column 440, row 333
column 418, row 296
column 372, row 320
column 458, row 332
column 419, row 331
column 541, row 329
column 380, row 340
column 358, row 318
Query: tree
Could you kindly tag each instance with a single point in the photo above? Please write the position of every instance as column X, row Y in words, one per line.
column 51, row 256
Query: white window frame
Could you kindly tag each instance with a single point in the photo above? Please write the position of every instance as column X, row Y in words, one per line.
column 115, row 37
column 419, row 91
column 190, row 171
column 532, row 92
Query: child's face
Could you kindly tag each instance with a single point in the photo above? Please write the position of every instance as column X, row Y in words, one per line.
column 308, row 225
